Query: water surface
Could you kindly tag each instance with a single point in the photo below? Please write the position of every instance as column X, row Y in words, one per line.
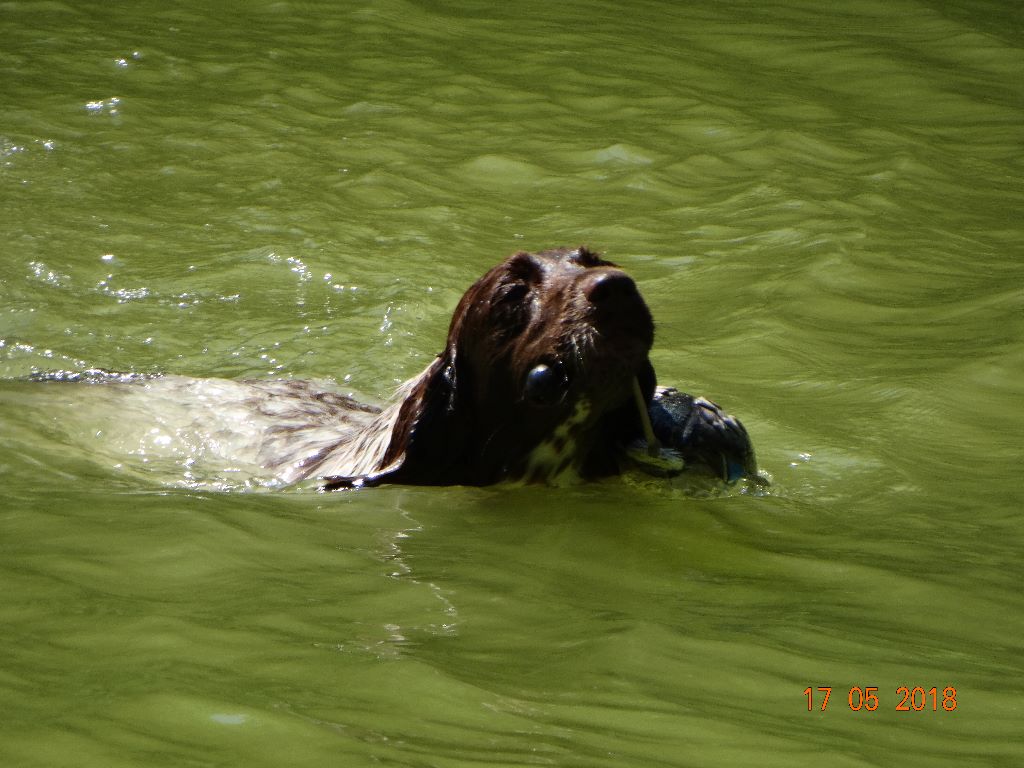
column 823, row 212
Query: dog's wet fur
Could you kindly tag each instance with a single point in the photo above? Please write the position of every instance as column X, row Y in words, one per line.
column 543, row 379
column 534, row 384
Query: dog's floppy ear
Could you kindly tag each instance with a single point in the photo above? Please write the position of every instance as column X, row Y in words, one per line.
column 425, row 437
column 434, row 435
column 431, row 437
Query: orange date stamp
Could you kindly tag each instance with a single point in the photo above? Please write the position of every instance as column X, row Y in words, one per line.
column 908, row 699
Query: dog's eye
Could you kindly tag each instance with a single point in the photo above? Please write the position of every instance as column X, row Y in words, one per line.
column 546, row 385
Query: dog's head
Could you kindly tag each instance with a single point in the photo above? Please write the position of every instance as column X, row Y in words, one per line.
column 537, row 377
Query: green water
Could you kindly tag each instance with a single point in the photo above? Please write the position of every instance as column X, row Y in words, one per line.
column 823, row 210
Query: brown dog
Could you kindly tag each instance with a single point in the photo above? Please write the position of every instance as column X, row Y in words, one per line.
column 545, row 377
column 540, row 380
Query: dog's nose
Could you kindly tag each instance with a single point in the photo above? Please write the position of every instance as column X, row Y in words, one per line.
column 617, row 309
column 610, row 288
